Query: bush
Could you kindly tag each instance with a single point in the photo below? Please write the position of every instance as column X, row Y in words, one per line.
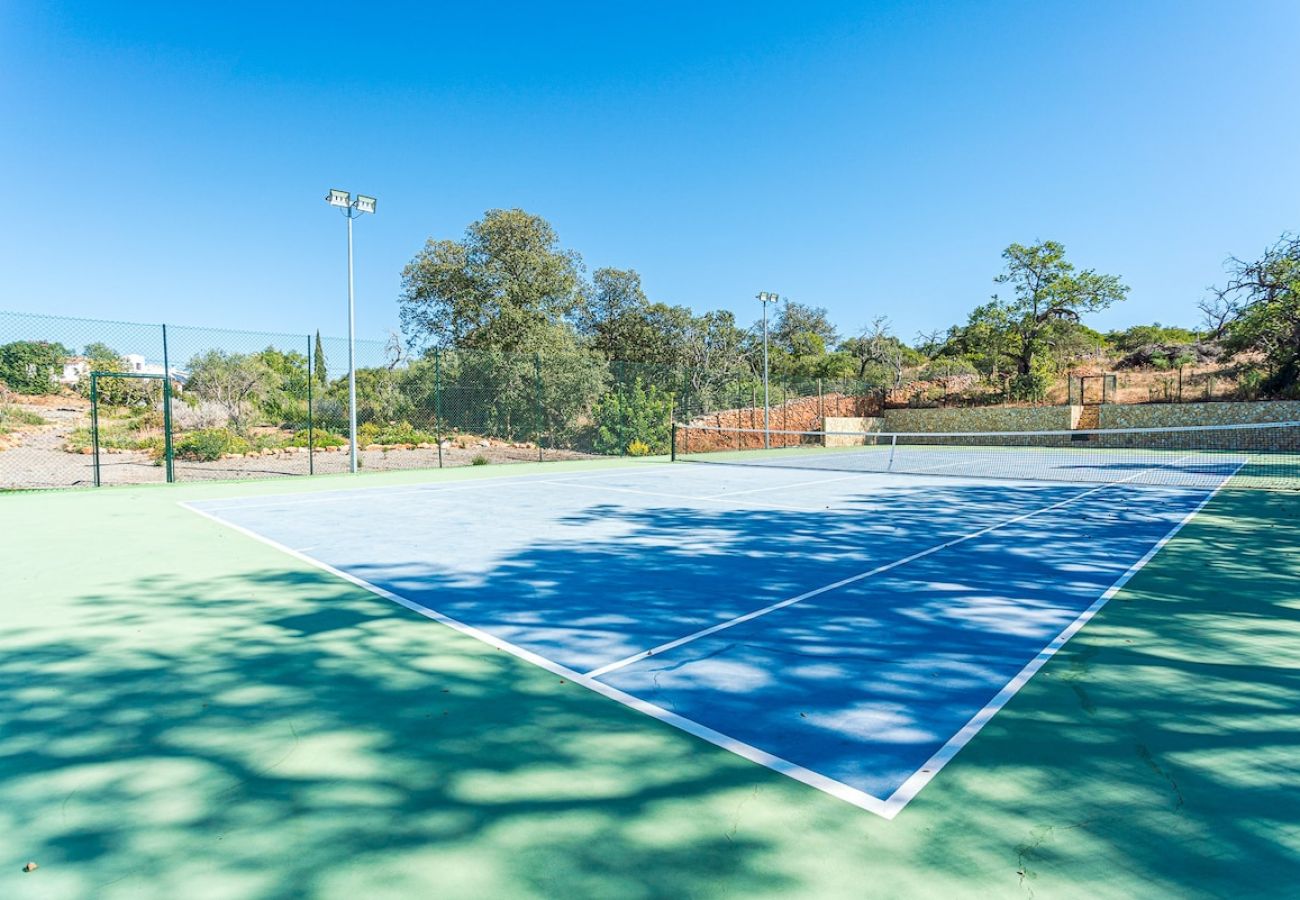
column 1031, row 387
column 32, row 367
column 638, row 448
column 195, row 414
column 479, row 460
column 1251, row 383
column 633, row 414
column 11, row 418
column 392, row 433
column 208, row 444
column 321, row 438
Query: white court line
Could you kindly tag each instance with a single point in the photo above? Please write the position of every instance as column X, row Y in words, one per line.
column 922, row 776
column 887, row 809
column 350, row 493
column 860, row 799
column 783, row 487
column 852, row 579
column 691, row 497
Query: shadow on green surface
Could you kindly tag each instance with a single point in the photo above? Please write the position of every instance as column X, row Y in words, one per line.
column 190, row 725
column 262, row 730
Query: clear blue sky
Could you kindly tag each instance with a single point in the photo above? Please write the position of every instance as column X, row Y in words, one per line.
column 168, row 161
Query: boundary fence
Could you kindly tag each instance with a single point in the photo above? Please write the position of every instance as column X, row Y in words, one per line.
column 86, row 402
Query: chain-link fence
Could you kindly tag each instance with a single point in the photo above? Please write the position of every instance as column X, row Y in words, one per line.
column 85, row 402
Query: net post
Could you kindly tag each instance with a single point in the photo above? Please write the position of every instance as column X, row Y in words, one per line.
column 672, row 457
column 167, row 410
column 311, row 423
column 893, row 445
column 437, row 400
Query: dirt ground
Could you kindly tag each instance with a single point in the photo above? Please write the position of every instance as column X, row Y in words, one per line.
column 39, row 461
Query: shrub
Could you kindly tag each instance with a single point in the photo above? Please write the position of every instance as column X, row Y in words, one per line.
column 633, row 414
column 638, row 448
column 32, row 367
column 208, row 444
column 1251, row 383
column 392, row 433
column 479, row 460
column 196, row 414
column 321, row 438
column 11, row 418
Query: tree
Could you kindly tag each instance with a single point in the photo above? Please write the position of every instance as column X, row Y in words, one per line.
column 615, row 317
column 285, row 397
column 115, row 391
column 987, row 340
column 798, row 340
column 877, row 346
column 1045, row 291
column 1136, row 337
column 1259, row 310
column 319, row 364
column 32, row 367
column 236, row 381
column 494, row 289
column 633, row 414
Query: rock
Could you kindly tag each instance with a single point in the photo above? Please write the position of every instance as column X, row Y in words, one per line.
column 252, row 454
column 424, row 445
column 485, row 443
column 373, row 447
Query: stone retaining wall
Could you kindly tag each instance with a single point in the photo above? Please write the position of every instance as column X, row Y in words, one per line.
column 979, row 418
column 1161, row 415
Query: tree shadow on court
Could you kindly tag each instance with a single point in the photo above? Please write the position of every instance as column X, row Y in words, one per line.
column 257, row 729
column 281, row 733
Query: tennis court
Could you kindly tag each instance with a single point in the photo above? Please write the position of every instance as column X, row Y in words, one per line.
column 852, row 631
column 941, row 667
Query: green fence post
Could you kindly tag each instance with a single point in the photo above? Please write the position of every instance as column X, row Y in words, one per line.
column 94, row 422
column 537, row 368
column 167, row 410
column 437, row 401
column 311, row 424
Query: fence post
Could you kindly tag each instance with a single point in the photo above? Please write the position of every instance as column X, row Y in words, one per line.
column 167, row 409
column 537, row 369
column 311, row 424
column 437, row 401
column 94, row 422
column 821, row 405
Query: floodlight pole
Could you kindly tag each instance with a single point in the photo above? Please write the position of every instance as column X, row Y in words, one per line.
column 351, row 208
column 766, row 297
column 352, row 353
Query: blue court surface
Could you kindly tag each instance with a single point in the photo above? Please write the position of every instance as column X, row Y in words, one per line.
column 852, row 630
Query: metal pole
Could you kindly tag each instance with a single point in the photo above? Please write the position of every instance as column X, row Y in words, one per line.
column 537, row 368
column 167, row 410
column 437, row 401
column 352, row 368
column 767, row 436
column 94, row 421
column 311, row 424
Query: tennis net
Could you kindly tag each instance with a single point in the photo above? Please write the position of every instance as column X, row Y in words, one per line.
column 1263, row 455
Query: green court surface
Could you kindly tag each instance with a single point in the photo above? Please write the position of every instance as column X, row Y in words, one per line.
column 187, row 712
